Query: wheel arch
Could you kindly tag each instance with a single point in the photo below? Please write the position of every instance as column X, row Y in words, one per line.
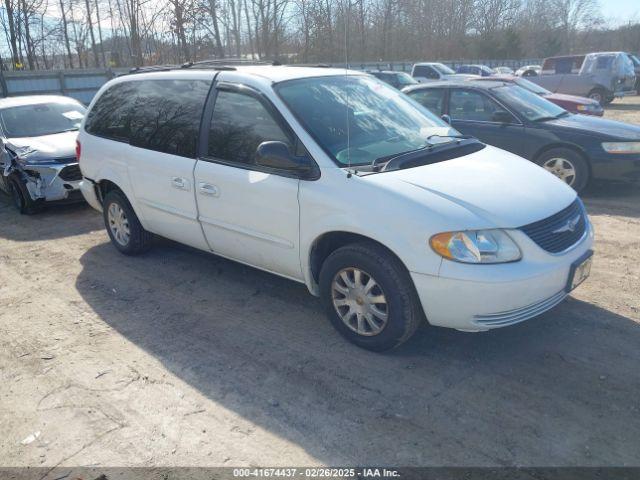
column 569, row 146
column 107, row 184
column 326, row 243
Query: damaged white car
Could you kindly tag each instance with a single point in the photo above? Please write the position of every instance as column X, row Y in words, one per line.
column 38, row 161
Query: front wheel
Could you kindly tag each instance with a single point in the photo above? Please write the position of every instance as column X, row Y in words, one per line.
column 369, row 296
column 567, row 165
column 598, row 95
column 124, row 228
column 20, row 200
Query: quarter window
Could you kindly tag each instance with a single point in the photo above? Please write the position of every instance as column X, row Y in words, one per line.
column 239, row 125
column 109, row 116
column 166, row 115
column 470, row 105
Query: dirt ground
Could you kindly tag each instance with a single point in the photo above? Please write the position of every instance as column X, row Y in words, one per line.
column 180, row 358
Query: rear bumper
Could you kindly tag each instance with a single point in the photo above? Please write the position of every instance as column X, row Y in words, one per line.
column 88, row 189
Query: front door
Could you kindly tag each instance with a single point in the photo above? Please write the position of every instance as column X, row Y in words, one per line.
column 247, row 213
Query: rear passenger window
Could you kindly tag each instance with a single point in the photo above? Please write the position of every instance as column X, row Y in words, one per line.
column 166, row 115
column 240, row 123
column 109, row 117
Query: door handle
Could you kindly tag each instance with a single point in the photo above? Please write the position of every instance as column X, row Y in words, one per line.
column 180, row 183
column 208, row 189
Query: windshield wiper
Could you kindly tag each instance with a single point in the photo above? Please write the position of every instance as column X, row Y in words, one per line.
column 387, row 158
column 461, row 137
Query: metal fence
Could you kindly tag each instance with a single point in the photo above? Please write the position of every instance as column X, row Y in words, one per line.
column 83, row 84
column 79, row 84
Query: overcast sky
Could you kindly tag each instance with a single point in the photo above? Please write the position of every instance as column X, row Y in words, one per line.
column 621, row 11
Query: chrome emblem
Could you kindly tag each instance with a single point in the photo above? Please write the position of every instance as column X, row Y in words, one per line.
column 570, row 226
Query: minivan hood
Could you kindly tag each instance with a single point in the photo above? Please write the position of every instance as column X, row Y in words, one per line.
column 598, row 127
column 46, row 147
column 504, row 190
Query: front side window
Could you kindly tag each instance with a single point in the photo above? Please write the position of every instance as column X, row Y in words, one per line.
column 109, row 116
column 357, row 119
column 431, row 98
column 41, row 119
column 166, row 115
column 472, row 106
column 425, row 71
column 443, row 69
column 531, row 106
column 240, row 123
column 403, row 79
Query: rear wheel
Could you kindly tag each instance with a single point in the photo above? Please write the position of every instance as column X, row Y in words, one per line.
column 567, row 165
column 122, row 224
column 369, row 296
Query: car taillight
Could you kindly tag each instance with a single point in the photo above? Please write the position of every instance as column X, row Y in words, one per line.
column 78, row 150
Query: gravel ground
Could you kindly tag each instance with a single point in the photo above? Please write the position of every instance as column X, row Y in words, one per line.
column 178, row 357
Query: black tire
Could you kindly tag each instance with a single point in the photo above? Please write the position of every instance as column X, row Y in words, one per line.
column 599, row 95
column 403, row 309
column 572, row 158
column 139, row 240
column 20, row 200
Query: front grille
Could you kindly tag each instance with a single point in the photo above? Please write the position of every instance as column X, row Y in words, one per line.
column 560, row 231
column 71, row 173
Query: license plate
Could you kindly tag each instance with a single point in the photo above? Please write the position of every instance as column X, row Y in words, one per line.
column 580, row 271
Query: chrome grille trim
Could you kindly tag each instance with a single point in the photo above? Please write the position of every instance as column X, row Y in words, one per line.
column 517, row 315
column 544, row 232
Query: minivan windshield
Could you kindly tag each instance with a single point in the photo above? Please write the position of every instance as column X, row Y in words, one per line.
column 528, row 104
column 41, row 119
column 358, row 119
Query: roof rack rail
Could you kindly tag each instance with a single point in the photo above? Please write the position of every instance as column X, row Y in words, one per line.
column 152, row 68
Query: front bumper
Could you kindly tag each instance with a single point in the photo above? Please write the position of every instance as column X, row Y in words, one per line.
column 625, row 93
column 617, row 167
column 482, row 297
column 51, row 181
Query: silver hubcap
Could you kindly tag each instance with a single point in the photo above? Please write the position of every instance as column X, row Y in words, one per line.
column 359, row 301
column 118, row 224
column 561, row 168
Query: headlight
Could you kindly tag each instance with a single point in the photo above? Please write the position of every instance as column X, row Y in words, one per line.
column 588, row 108
column 621, row 147
column 476, row 246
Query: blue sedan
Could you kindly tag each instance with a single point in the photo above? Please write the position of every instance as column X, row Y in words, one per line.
column 576, row 148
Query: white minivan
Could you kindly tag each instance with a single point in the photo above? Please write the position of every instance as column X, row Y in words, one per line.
column 334, row 179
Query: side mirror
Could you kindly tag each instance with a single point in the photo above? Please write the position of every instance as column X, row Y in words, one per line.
column 502, row 116
column 446, row 118
column 276, row 155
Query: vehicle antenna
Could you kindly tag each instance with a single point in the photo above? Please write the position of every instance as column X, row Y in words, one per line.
column 346, row 74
